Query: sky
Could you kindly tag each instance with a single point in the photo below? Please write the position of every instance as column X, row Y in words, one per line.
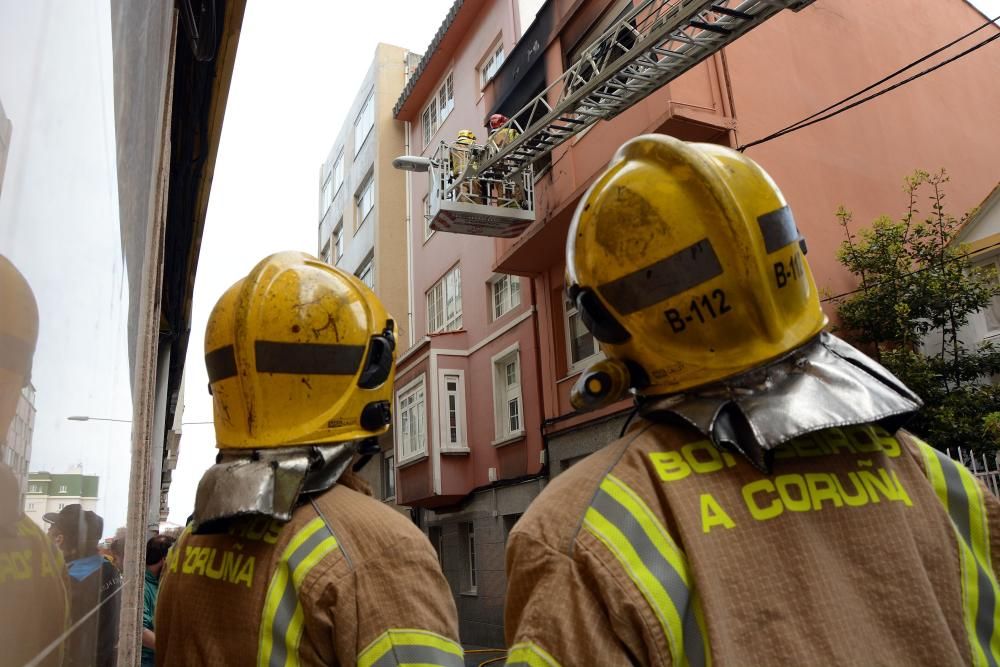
column 297, row 69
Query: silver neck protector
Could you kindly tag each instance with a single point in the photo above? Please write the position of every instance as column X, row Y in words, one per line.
column 268, row 482
column 824, row 383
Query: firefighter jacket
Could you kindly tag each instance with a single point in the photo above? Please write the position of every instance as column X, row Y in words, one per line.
column 346, row 581
column 34, row 607
column 860, row 548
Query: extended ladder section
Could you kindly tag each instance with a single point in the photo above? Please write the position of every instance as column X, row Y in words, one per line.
column 654, row 43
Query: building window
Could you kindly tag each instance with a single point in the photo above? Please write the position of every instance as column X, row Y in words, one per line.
column 62, row 488
column 509, row 521
column 441, row 104
column 507, row 394
column 991, row 314
column 388, row 476
column 491, row 65
column 506, row 291
column 411, row 420
column 444, row 303
column 338, row 241
column 31, row 507
column 60, row 506
column 468, row 532
column 580, row 343
column 326, row 253
column 366, row 200
column 452, row 405
column 338, row 174
column 367, row 273
column 365, row 122
column 428, row 231
column 434, row 534
column 33, row 488
column 327, row 196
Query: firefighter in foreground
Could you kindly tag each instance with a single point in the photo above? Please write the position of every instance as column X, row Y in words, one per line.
column 288, row 560
column 34, row 598
column 764, row 508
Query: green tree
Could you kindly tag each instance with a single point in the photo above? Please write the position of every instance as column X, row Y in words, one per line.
column 917, row 290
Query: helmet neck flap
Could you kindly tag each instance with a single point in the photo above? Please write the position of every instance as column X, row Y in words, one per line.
column 269, row 482
column 824, row 383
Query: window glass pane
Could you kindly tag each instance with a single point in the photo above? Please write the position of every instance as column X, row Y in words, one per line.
column 338, row 173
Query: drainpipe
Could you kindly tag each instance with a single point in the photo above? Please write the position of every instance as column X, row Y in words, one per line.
column 543, row 468
column 409, row 240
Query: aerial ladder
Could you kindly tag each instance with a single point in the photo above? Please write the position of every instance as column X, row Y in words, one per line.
column 488, row 190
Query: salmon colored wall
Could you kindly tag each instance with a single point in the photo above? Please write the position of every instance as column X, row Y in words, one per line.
column 798, row 63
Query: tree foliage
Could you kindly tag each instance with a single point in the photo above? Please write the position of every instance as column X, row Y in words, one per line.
column 917, row 291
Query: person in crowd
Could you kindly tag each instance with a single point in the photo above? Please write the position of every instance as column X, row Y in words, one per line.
column 94, row 586
column 156, row 557
column 288, row 559
column 765, row 508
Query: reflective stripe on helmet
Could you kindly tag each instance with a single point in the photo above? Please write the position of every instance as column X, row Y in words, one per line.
column 413, row 647
column 293, row 358
column 661, row 280
column 529, row 654
column 281, row 621
column 778, row 229
column 624, row 524
column 962, row 497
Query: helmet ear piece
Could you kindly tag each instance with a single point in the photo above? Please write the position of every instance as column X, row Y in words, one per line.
column 596, row 317
column 378, row 365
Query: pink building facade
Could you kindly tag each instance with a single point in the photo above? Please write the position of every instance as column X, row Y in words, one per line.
column 470, row 477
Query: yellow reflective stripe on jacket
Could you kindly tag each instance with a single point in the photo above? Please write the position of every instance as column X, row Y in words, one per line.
column 529, row 654
column 281, row 620
column 962, row 497
column 411, row 647
column 624, row 524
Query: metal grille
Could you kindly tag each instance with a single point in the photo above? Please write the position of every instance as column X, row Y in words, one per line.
column 983, row 466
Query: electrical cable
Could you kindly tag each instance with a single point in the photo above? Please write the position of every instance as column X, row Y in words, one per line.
column 818, row 118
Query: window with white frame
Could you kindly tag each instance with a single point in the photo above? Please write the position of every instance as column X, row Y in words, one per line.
column 491, row 65
column 338, row 241
column 60, row 506
column 991, row 314
column 507, row 394
column 444, row 303
column 388, row 476
column 468, row 531
column 338, row 174
column 31, row 507
column 427, row 218
column 440, row 105
column 62, row 488
column 580, row 343
column 452, row 406
column 506, row 293
column 367, row 273
column 364, row 123
column 411, row 420
column 327, row 195
column 33, row 488
column 366, row 199
column 326, row 254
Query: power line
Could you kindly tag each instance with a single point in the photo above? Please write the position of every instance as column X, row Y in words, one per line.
column 819, row 116
column 911, row 273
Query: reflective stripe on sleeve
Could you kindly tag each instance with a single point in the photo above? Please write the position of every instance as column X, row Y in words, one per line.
column 624, row 524
column 962, row 497
column 529, row 654
column 411, row 647
column 281, row 621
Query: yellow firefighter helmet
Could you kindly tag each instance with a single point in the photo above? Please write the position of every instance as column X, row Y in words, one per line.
column 685, row 262
column 466, row 137
column 299, row 352
column 18, row 335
